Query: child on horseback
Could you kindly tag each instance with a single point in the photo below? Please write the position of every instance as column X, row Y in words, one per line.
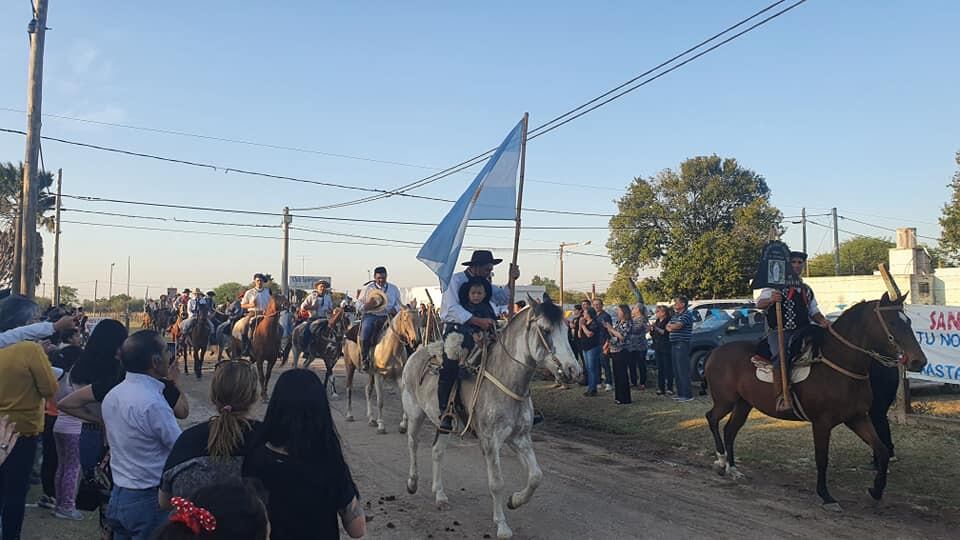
column 458, row 318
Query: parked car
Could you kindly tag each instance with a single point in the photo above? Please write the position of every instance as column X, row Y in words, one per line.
column 745, row 323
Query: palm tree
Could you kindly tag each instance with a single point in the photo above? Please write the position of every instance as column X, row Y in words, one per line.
column 11, row 186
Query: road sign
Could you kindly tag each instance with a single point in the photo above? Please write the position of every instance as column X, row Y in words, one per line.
column 305, row 283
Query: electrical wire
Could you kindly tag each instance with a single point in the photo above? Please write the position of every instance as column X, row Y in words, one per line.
column 881, row 227
column 591, row 105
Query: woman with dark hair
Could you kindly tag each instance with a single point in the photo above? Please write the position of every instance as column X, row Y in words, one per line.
column 592, row 349
column 300, row 463
column 224, row 511
column 619, row 333
column 26, row 380
column 661, row 349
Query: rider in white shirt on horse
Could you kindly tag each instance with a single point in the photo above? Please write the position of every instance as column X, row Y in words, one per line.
column 255, row 301
column 374, row 317
column 319, row 303
column 198, row 302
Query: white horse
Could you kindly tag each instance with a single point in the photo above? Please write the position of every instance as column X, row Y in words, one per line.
column 387, row 358
column 536, row 337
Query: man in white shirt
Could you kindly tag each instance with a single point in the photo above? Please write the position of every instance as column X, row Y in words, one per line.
column 255, row 301
column 141, row 430
column 455, row 316
column 799, row 311
column 319, row 304
column 198, row 303
column 374, row 315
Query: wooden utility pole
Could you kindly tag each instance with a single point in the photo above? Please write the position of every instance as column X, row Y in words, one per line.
column 96, row 284
column 516, row 234
column 56, row 242
column 562, row 245
column 803, row 228
column 836, row 243
column 285, row 263
column 28, row 216
column 127, row 315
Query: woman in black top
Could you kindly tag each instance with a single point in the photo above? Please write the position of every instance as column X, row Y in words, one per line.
column 661, row 349
column 212, row 452
column 301, row 465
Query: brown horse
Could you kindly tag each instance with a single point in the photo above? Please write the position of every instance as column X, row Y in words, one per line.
column 837, row 390
column 160, row 320
column 176, row 335
column 265, row 343
column 197, row 340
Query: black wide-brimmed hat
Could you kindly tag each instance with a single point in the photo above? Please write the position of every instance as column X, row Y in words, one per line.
column 482, row 257
column 798, row 255
column 263, row 277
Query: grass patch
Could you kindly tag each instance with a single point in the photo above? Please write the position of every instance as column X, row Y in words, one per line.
column 925, row 477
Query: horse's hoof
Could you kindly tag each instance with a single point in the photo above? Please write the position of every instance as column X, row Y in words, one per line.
column 381, row 430
column 875, row 493
column 411, row 485
column 832, row 507
column 504, row 532
column 512, row 504
column 720, row 467
column 350, row 418
column 734, row 474
column 443, row 506
column 372, row 423
column 334, row 395
column 402, row 429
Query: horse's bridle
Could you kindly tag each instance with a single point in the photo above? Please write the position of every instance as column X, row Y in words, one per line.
column 882, row 359
column 551, row 352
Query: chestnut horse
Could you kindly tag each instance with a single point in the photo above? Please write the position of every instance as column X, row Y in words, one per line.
column 265, row 343
column 837, row 390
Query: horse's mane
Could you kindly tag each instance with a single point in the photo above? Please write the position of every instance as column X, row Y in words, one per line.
column 549, row 311
column 854, row 312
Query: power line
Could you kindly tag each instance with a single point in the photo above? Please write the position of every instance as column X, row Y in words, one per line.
column 276, row 176
column 881, row 227
column 89, row 198
column 175, row 219
column 593, row 104
column 276, row 146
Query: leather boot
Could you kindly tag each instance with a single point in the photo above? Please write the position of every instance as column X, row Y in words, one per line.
column 443, row 394
column 778, row 390
column 365, row 356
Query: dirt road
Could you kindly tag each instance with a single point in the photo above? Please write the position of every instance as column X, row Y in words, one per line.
column 587, row 492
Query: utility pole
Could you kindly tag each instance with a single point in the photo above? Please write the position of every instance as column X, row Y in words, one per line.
column 836, row 243
column 110, row 286
column 127, row 316
column 96, row 283
column 566, row 245
column 803, row 223
column 56, row 242
column 285, row 263
column 28, row 217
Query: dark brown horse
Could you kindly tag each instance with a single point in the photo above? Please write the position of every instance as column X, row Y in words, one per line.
column 265, row 344
column 837, row 390
column 160, row 320
column 198, row 339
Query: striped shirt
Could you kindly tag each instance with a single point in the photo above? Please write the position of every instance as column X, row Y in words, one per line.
column 685, row 333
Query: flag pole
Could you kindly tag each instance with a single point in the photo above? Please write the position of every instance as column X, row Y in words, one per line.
column 516, row 235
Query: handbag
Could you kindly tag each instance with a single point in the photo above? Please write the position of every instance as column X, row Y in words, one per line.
column 95, row 486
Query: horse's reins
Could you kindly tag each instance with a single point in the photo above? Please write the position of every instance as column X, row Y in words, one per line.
column 882, row 359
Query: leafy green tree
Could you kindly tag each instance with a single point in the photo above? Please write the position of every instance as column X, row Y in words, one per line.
column 68, row 295
column 950, row 221
column 703, row 226
column 553, row 290
column 227, row 292
column 858, row 257
column 11, row 186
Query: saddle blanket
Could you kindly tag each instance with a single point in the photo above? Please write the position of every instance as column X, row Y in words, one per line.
column 765, row 372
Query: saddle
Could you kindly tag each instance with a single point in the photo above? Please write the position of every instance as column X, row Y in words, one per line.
column 802, row 352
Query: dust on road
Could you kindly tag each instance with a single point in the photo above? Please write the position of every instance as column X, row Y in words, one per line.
column 587, row 491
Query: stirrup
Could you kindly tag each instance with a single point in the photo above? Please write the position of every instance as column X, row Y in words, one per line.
column 446, row 423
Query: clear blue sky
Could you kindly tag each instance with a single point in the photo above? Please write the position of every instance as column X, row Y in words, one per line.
column 848, row 104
